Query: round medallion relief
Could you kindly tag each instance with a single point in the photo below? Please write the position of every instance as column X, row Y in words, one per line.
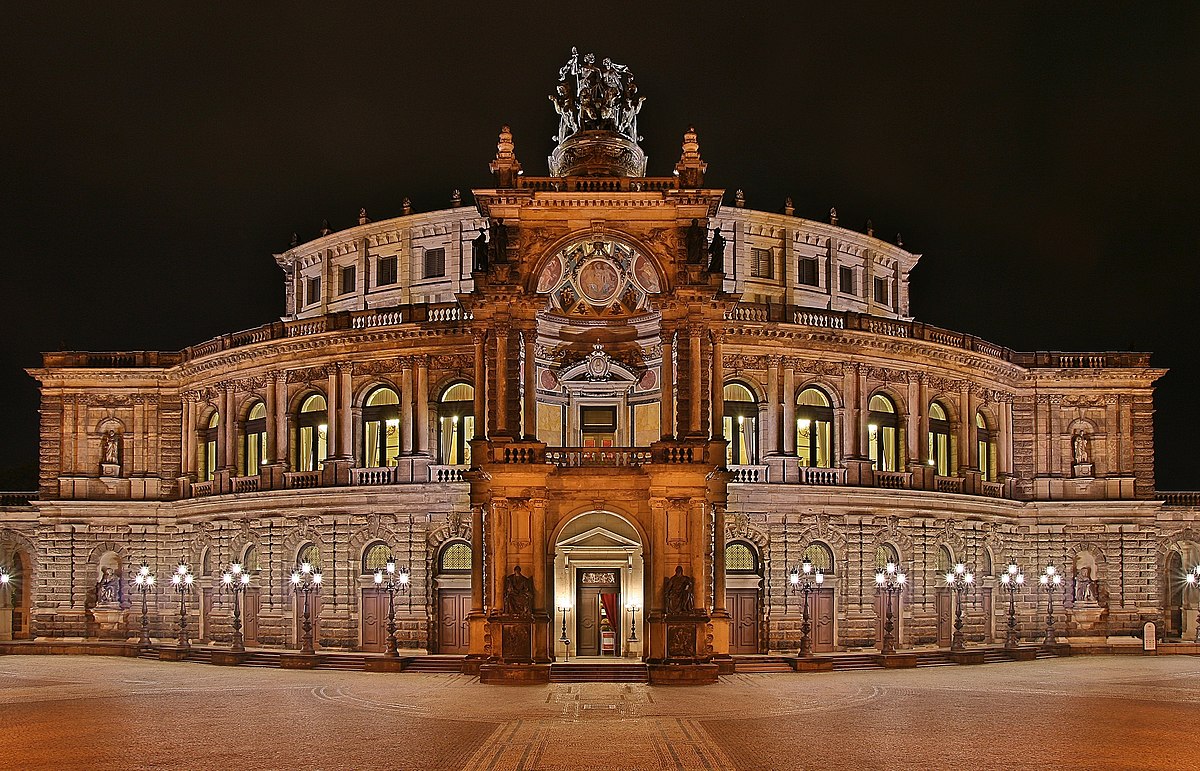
column 599, row 281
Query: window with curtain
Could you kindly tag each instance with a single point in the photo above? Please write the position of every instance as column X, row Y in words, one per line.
column 381, row 428
column 208, row 447
column 312, row 434
column 456, row 424
column 740, row 425
column 254, row 453
column 939, row 440
column 986, row 441
column 883, row 434
column 814, row 428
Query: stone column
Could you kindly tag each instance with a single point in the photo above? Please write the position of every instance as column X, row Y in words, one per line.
column 718, row 601
column 772, row 428
column 537, row 511
column 481, row 419
column 1004, row 445
column 421, row 395
column 969, row 420
column 345, row 419
column 964, row 427
column 698, row 538
column 861, row 405
column 331, row 413
column 476, row 558
column 717, row 423
column 501, row 410
column 499, row 540
column 789, row 411
column 188, row 455
column 667, row 385
column 228, row 432
column 851, row 435
column 695, row 394
column 923, row 422
column 408, row 429
column 529, row 429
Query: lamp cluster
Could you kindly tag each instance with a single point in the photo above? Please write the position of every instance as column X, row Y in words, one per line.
column 806, row 579
column 392, row 579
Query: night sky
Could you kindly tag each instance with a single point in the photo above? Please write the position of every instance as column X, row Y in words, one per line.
column 1042, row 157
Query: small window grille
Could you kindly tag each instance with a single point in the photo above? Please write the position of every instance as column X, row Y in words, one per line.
column 456, row 558
column 739, row 558
column 349, row 279
column 762, row 266
column 820, row 556
column 376, row 557
column 250, row 559
column 808, row 271
column 846, row 279
column 311, row 553
column 886, row 553
column 385, row 271
column 435, row 263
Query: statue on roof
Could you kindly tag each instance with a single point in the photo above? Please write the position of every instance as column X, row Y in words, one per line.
column 596, row 97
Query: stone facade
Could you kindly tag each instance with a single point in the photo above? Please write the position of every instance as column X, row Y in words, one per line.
column 493, row 377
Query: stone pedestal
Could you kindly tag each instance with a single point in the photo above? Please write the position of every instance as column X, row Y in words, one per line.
column 384, row 664
column 812, row 664
column 1021, row 654
column 1087, row 620
column 298, row 661
column 1083, row 471
column 6, row 629
column 110, row 622
column 172, row 654
column 967, row 657
column 110, row 469
column 896, row 660
column 229, row 658
column 683, row 674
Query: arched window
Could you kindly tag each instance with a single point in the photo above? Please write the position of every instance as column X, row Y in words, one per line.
column 945, row 560
column 250, row 559
column 814, row 428
column 208, row 447
column 381, row 429
column 206, row 562
column 310, row 553
column 740, row 557
column 882, row 434
column 254, row 455
column 455, row 558
column 821, row 557
column 741, row 421
column 987, row 448
column 312, row 430
column 939, row 440
column 456, row 424
column 375, row 557
column 886, row 553
column 986, row 569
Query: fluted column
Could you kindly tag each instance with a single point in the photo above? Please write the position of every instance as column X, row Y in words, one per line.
column 476, row 559
column 772, row 428
column 969, row 422
column 421, row 395
column 345, row 420
column 918, row 421
column 1004, row 444
column 228, row 430
column 695, row 394
column 501, row 386
column 408, row 429
column 537, row 511
column 964, row 426
column 332, row 418
column 789, row 410
column 481, row 423
column 718, row 600
column 667, row 394
column 188, row 456
column 717, row 424
column 529, row 429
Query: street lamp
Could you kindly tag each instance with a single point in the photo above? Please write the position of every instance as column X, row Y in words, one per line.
column 1193, row 580
column 306, row 580
column 181, row 582
column 1051, row 579
column 1011, row 580
column 236, row 580
column 563, row 638
column 959, row 580
column 633, row 608
column 805, row 579
column 143, row 584
column 392, row 579
column 891, row 581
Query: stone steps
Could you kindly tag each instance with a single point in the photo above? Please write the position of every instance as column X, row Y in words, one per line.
column 434, row 664
column 599, row 673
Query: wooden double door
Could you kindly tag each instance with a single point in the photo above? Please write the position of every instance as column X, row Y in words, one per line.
column 454, row 631
column 743, row 620
column 597, row 613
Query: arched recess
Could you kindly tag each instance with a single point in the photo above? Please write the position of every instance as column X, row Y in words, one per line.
column 1087, row 577
column 1179, row 554
column 738, row 527
column 599, row 573
column 744, row 597
column 537, row 281
column 892, row 543
column 16, row 604
column 448, row 594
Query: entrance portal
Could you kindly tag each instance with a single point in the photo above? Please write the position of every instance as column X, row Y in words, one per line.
column 598, row 615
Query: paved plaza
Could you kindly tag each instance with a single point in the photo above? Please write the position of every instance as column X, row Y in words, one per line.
column 1095, row 712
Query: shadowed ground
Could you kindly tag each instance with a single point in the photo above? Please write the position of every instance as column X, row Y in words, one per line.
column 1095, row 712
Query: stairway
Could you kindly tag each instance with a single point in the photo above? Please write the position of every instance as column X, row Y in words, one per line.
column 434, row 664
column 599, row 673
column 760, row 664
column 855, row 662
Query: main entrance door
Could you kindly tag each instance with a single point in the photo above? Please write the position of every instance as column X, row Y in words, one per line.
column 314, row 610
column 822, row 620
column 943, row 605
column 743, row 627
column 454, row 632
column 597, row 617
column 250, row 605
column 374, row 620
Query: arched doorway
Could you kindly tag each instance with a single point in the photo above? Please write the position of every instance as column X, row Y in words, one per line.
column 453, row 582
column 598, row 576
column 743, row 582
column 15, row 600
column 823, row 611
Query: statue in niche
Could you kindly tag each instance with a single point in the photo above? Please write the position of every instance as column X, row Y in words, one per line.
column 518, row 594
column 679, row 592
column 499, row 242
column 1080, row 449
column 695, row 243
column 716, row 253
column 110, row 448
column 1085, row 589
column 479, row 256
column 108, row 588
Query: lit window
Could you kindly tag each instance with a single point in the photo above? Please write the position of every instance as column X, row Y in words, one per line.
column 376, row 557
column 740, row 558
column 883, row 434
column 310, row 553
column 939, row 440
column 821, row 557
column 456, row 558
column 254, row 453
column 986, row 443
column 740, row 425
column 814, row 428
column 456, row 424
column 381, row 429
column 886, row 553
column 945, row 560
column 208, row 447
column 312, row 431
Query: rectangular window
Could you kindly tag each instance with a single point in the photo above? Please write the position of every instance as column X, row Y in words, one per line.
column 808, row 271
column 385, row 271
column 435, row 263
column 846, row 279
column 881, row 291
column 313, row 290
column 349, row 279
column 761, row 264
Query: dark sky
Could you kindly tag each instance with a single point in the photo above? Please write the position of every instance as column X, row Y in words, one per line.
column 1043, row 157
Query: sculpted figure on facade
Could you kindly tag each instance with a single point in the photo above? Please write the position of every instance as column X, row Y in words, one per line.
column 518, row 594
column 108, row 588
column 591, row 97
column 111, row 447
column 716, row 253
column 1080, row 449
column 479, row 255
column 1084, row 587
column 679, row 592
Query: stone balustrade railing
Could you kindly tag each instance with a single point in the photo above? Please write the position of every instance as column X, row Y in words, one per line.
column 17, row 499
column 948, row 484
column 441, row 473
column 597, row 184
column 893, row 480
column 574, row 457
column 747, row 474
column 822, row 476
column 301, row 480
column 1181, row 498
column 384, row 475
column 202, row 489
column 244, row 484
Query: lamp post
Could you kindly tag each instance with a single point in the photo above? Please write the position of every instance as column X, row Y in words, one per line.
column 1011, row 581
column 563, row 637
column 960, row 580
column 143, row 584
column 392, row 579
column 181, row 582
column 1193, row 580
column 1050, row 580
column 633, row 608
column 891, row 581
column 306, row 580
column 806, row 580
column 235, row 580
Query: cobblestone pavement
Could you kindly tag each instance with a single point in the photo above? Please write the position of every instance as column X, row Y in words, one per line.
column 1095, row 712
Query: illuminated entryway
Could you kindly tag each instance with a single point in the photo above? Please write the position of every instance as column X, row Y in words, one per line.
column 598, row 575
